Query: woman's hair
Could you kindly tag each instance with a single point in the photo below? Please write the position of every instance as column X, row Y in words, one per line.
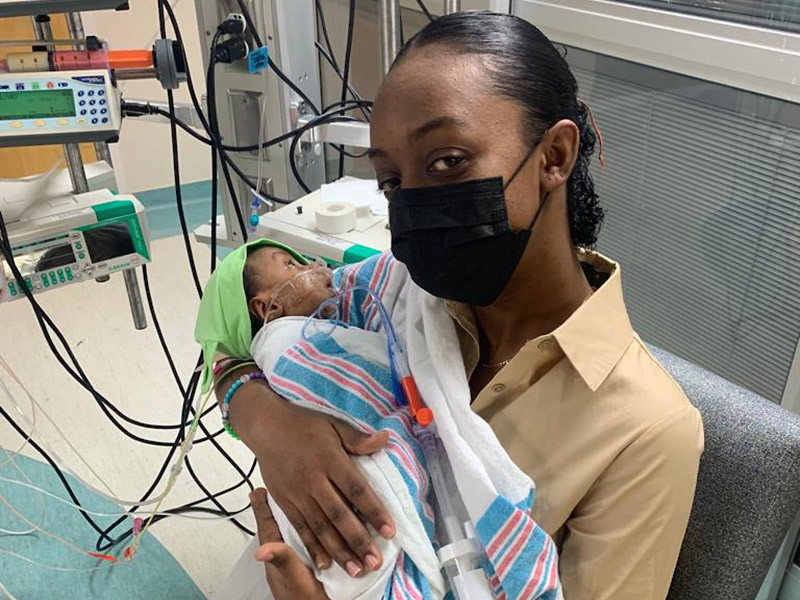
column 525, row 66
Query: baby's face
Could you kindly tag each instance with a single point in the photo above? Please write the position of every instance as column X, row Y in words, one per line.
column 296, row 289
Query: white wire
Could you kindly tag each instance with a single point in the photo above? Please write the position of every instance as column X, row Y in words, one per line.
column 34, row 404
column 9, row 595
column 41, row 530
column 261, row 133
column 53, row 568
column 62, row 465
column 40, row 496
column 13, row 455
column 107, row 514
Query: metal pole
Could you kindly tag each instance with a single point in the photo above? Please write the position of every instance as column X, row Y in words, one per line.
column 452, row 6
column 135, row 299
column 41, row 27
column 388, row 16
column 72, row 152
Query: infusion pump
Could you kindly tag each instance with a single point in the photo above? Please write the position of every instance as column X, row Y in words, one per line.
column 73, row 238
column 58, row 107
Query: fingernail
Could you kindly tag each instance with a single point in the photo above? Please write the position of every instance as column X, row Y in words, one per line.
column 322, row 563
column 352, row 568
column 387, row 531
column 372, row 562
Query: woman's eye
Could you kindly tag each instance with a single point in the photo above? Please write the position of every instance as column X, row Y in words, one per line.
column 445, row 163
column 388, row 185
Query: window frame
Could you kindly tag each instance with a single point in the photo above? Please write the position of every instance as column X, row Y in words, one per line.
column 764, row 61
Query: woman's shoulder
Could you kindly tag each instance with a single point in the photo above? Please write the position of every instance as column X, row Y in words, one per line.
column 649, row 394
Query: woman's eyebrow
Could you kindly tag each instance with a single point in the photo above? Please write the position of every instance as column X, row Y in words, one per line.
column 423, row 130
column 434, row 124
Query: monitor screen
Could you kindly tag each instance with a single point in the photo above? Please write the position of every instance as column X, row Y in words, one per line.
column 108, row 241
column 38, row 104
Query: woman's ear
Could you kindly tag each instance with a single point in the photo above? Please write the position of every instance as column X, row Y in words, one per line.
column 265, row 308
column 561, row 147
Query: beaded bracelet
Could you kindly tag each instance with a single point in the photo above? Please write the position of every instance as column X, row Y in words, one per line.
column 226, row 402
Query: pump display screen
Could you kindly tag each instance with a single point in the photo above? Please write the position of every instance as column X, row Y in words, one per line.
column 38, row 104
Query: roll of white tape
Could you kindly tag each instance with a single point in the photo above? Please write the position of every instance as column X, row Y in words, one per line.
column 336, row 217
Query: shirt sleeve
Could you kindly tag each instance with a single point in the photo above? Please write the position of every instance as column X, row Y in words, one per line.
column 623, row 539
column 380, row 274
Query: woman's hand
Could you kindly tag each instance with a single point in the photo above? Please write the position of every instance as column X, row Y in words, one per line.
column 305, row 462
column 288, row 578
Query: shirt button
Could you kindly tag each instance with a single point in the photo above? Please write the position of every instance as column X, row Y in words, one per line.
column 498, row 387
column 545, row 344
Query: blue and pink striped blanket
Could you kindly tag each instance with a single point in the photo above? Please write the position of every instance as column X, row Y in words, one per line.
column 344, row 372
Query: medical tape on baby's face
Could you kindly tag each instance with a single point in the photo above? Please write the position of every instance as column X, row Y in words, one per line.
column 299, row 286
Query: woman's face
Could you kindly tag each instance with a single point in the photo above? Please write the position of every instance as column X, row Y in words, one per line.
column 437, row 121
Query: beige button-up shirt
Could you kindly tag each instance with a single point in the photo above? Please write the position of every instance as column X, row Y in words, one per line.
column 610, row 440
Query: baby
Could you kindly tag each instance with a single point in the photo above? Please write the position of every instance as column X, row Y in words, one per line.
column 320, row 340
column 277, row 292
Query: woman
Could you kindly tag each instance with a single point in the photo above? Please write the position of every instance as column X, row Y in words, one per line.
column 483, row 147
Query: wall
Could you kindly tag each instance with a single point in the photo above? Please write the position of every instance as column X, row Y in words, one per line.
column 143, row 157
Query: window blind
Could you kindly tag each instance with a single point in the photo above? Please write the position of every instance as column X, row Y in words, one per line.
column 775, row 14
column 702, row 191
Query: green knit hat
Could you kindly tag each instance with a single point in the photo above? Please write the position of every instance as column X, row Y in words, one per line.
column 223, row 321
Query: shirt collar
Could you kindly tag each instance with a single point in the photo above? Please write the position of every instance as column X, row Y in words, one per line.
column 593, row 338
column 596, row 335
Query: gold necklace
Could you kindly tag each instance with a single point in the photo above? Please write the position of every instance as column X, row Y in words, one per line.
column 499, row 365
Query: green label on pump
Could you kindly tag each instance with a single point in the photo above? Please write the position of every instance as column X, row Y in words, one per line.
column 115, row 208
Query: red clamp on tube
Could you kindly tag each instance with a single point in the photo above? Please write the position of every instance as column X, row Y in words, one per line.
column 421, row 413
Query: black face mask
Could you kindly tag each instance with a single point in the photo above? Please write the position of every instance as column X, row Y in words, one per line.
column 456, row 240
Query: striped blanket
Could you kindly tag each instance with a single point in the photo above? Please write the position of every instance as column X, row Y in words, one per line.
column 344, row 371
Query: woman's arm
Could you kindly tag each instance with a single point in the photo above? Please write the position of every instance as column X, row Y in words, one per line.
column 304, row 461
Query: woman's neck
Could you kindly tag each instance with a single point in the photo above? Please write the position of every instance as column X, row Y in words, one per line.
column 546, row 288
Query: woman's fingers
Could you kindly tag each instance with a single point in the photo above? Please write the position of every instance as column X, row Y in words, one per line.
column 354, row 485
column 329, row 535
column 350, row 528
column 266, row 526
column 313, row 544
column 357, row 492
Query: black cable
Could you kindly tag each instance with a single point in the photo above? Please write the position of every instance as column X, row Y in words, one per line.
column 214, row 174
column 351, row 21
column 200, row 114
column 157, row 325
column 176, row 172
column 325, row 118
column 424, row 9
column 257, row 38
column 324, row 26
column 135, row 109
column 45, row 322
column 356, row 96
column 214, row 125
column 190, row 389
column 341, row 150
column 32, row 443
